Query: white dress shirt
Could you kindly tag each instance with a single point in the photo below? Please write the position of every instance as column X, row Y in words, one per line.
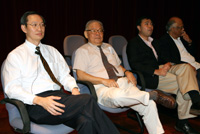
column 185, row 56
column 91, row 53
column 24, row 75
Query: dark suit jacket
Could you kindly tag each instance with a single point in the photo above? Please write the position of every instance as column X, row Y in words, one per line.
column 141, row 58
column 169, row 49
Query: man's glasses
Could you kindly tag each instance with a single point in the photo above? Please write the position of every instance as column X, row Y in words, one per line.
column 179, row 27
column 34, row 25
column 96, row 31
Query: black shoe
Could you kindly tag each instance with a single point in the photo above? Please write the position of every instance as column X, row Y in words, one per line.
column 195, row 109
column 186, row 129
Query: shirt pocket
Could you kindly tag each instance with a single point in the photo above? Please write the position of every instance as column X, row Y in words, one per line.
column 54, row 68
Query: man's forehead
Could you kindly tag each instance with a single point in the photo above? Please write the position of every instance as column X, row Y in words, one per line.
column 94, row 25
column 34, row 17
column 146, row 20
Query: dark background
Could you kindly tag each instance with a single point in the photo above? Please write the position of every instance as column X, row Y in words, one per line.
column 65, row 17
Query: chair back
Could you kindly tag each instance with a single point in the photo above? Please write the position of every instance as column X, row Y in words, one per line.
column 125, row 59
column 15, row 119
column 13, row 113
column 117, row 41
column 70, row 44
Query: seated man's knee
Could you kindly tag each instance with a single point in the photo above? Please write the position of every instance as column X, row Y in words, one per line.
column 86, row 98
column 187, row 66
column 152, row 103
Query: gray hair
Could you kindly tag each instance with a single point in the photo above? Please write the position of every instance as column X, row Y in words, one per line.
column 170, row 24
column 91, row 21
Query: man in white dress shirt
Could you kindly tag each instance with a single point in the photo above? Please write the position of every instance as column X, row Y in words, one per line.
column 26, row 79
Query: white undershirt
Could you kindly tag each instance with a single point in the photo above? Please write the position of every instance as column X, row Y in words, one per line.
column 185, row 55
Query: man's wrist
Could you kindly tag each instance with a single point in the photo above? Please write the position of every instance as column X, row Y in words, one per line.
column 172, row 63
column 125, row 72
column 75, row 88
column 36, row 100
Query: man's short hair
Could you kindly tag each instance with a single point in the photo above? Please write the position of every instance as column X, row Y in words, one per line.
column 139, row 21
column 24, row 18
column 91, row 21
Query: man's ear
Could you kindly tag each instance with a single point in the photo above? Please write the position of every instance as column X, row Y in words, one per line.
column 138, row 27
column 23, row 27
column 85, row 34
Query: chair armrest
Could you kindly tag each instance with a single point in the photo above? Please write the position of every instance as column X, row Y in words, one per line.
column 67, row 56
column 90, row 87
column 23, row 112
column 141, row 78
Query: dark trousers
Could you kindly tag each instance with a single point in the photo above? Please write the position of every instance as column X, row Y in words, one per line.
column 81, row 113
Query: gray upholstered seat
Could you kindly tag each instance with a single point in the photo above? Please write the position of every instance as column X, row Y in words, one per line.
column 70, row 44
column 118, row 42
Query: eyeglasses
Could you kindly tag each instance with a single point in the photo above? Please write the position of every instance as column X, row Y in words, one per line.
column 34, row 25
column 94, row 31
column 179, row 27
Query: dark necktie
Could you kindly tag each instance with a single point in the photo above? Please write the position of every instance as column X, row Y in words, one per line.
column 47, row 68
column 109, row 67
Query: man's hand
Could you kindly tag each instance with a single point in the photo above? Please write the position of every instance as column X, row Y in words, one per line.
column 110, row 83
column 186, row 37
column 131, row 78
column 50, row 104
column 161, row 72
column 75, row 91
column 167, row 66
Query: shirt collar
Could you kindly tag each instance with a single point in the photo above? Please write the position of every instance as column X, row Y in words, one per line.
column 31, row 45
column 178, row 39
column 174, row 38
column 96, row 47
column 150, row 39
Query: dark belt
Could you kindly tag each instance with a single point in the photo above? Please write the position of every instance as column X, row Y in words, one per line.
column 118, row 77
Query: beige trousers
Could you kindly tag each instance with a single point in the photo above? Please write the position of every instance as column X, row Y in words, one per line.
column 130, row 96
column 179, row 80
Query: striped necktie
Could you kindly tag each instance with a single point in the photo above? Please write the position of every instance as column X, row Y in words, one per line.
column 47, row 68
column 109, row 67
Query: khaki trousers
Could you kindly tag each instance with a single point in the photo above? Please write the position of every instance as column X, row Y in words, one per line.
column 128, row 95
column 180, row 79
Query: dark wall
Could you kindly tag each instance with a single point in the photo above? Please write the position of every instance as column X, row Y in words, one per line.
column 65, row 17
